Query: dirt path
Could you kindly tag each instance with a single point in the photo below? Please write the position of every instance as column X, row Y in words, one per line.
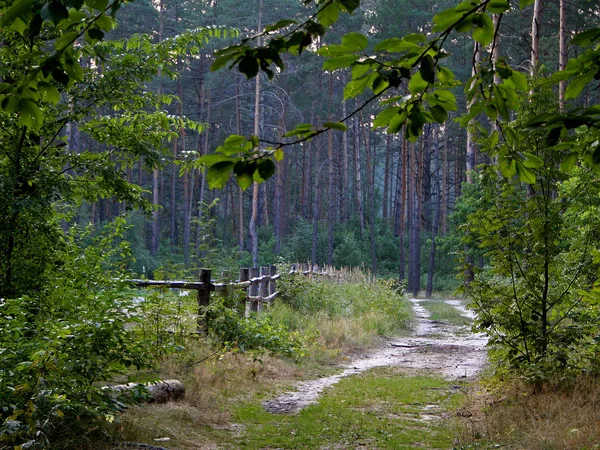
column 441, row 348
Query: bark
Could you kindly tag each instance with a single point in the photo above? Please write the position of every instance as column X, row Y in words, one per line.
column 155, row 174
column 562, row 52
column 344, row 199
column 535, row 36
column 414, row 244
column 403, row 205
column 358, row 188
column 370, row 172
column 436, row 216
column 238, row 126
column 386, row 176
column 255, row 187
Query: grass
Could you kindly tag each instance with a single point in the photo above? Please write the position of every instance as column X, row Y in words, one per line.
column 382, row 408
column 443, row 312
column 558, row 417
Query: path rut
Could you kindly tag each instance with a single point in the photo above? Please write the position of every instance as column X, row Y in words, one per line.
column 439, row 347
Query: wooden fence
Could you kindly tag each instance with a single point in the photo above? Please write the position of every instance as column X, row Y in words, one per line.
column 260, row 285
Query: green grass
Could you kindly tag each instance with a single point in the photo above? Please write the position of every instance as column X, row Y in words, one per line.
column 443, row 312
column 378, row 409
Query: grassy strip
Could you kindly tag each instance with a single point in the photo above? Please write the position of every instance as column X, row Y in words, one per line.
column 443, row 312
column 555, row 417
column 382, row 408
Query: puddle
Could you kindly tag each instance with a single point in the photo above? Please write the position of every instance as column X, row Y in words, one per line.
column 451, row 351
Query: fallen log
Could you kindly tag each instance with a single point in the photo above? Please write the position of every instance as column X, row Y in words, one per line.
column 162, row 391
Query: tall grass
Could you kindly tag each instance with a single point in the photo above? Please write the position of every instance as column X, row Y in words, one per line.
column 345, row 314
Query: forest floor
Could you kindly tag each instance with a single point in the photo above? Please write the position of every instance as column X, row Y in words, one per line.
column 403, row 396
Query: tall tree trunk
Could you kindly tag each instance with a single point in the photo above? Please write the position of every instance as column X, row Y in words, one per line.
column 370, row 171
column 330, row 205
column 278, row 200
column 535, row 36
column 173, row 218
column 562, row 52
column 358, row 187
column 255, row 187
column 155, row 174
column 345, row 197
column 238, row 127
column 404, row 204
column 386, row 176
column 414, row 244
column 436, row 214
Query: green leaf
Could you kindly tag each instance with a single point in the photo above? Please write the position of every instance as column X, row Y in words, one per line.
column 349, row 5
column 445, row 19
column 498, row 6
column 532, row 161
column 484, row 31
column 596, row 156
column 249, row 65
column 54, row 11
column 355, row 41
column 524, row 3
column 339, row 62
column 218, row 174
column 19, row 9
column 99, row 5
column 278, row 154
column 66, row 40
column 279, row 25
column 416, row 85
column 356, row 87
column 266, row 168
column 427, row 69
column 49, row 92
column 336, row 126
column 439, row 114
column 329, row 15
column 244, row 181
column 577, row 85
column 95, row 34
column 30, row 114
column 525, row 175
column 518, row 80
column 568, row 162
column 384, row 117
column 213, row 158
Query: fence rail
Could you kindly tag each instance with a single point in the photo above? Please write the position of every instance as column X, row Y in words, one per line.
column 260, row 285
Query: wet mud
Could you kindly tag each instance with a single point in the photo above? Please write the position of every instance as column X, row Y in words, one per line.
column 437, row 347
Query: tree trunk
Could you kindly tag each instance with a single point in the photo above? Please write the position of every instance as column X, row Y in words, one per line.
column 358, row 188
column 436, row 214
column 535, row 36
column 386, row 176
column 344, row 199
column 255, row 187
column 403, row 205
column 562, row 52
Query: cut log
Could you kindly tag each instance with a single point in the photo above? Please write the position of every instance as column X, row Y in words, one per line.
column 162, row 391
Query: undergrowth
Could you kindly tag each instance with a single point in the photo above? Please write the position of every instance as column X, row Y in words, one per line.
column 515, row 415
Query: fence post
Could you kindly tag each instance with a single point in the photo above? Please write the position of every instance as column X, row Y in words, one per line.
column 272, row 282
column 263, row 288
column 253, row 289
column 203, row 299
column 245, row 276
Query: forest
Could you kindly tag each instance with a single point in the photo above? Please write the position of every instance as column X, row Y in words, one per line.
column 438, row 146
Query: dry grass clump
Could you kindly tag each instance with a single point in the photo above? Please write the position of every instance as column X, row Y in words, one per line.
column 552, row 418
column 213, row 386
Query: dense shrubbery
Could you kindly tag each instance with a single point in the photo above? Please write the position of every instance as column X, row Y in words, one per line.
column 58, row 343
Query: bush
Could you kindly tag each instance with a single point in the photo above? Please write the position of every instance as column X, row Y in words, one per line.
column 58, row 343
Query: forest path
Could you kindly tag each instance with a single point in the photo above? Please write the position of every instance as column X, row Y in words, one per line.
column 435, row 347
